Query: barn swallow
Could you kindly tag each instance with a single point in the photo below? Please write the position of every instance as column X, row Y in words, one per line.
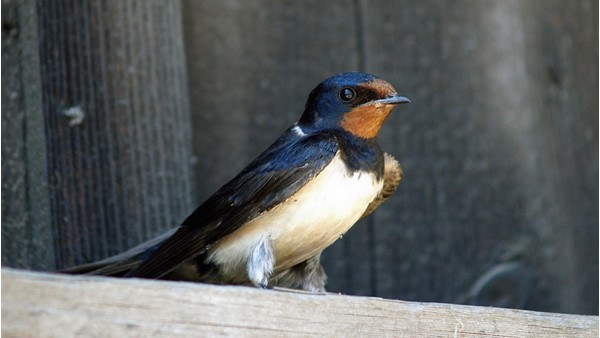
column 270, row 223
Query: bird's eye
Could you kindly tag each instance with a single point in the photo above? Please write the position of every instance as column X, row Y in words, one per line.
column 347, row 94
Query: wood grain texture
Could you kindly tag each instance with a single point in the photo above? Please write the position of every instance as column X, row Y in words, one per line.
column 26, row 235
column 50, row 305
column 116, row 119
column 493, row 147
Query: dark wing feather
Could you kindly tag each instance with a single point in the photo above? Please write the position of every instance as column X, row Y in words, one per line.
column 274, row 176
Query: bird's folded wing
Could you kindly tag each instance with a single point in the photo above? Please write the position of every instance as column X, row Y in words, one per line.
column 258, row 188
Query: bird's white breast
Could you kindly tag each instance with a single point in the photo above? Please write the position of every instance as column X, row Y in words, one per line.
column 306, row 223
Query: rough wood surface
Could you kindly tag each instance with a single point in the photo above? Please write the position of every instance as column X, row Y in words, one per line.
column 26, row 233
column 50, row 305
column 116, row 125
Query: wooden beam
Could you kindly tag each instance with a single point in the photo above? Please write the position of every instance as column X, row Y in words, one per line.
column 53, row 305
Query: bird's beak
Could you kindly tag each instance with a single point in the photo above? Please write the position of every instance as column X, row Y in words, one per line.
column 393, row 99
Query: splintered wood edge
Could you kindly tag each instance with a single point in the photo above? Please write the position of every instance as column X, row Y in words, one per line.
column 52, row 305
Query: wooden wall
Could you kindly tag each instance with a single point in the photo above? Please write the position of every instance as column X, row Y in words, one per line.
column 499, row 202
column 499, row 145
column 98, row 154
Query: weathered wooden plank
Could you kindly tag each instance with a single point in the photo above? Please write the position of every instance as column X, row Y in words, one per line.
column 25, row 199
column 50, row 305
column 493, row 147
column 115, row 122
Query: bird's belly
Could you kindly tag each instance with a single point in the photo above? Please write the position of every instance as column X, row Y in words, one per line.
column 305, row 224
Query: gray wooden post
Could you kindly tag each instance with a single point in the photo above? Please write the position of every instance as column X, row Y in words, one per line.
column 113, row 149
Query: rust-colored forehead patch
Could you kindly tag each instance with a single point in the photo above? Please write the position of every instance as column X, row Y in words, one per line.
column 380, row 87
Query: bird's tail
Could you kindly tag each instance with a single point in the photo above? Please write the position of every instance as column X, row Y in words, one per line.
column 119, row 265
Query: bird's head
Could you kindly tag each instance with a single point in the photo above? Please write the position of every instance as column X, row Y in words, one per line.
column 356, row 102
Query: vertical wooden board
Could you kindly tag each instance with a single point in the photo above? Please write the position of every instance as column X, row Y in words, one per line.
column 562, row 63
column 390, row 38
column 26, row 230
column 14, row 195
column 476, row 152
column 251, row 66
column 122, row 173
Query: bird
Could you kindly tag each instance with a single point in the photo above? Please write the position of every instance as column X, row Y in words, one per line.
column 268, row 226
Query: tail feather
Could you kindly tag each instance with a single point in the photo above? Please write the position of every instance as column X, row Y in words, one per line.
column 119, row 265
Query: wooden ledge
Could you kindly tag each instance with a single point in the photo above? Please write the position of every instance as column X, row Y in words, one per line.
column 52, row 305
